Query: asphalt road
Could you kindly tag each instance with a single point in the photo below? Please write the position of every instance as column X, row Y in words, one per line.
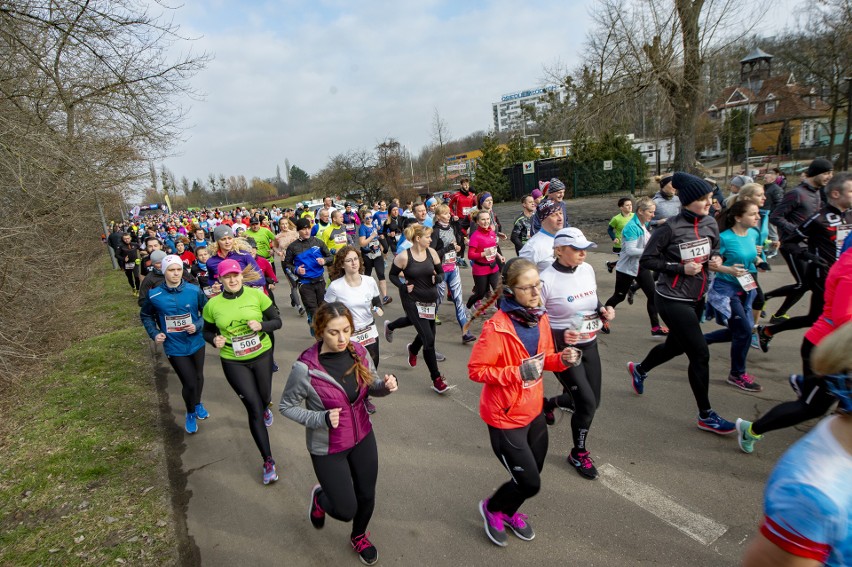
column 669, row 493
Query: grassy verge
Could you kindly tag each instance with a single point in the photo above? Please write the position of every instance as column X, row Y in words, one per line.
column 83, row 478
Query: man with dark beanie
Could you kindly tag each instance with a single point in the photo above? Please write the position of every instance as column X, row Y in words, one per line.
column 796, row 207
column 682, row 250
column 667, row 201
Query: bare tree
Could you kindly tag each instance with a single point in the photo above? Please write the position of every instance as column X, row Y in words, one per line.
column 440, row 136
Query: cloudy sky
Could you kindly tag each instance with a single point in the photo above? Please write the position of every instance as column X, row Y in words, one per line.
column 306, row 80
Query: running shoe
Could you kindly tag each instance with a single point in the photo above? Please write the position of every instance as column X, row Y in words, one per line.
column 365, row 550
column 368, row 405
column 412, row 357
column 583, row 464
column 775, row 319
column 468, row 338
column 716, row 424
column 745, row 436
column 797, row 383
column 386, row 299
column 201, row 412
column 610, row 266
column 135, row 293
column 605, row 327
column 494, row 524
column 267, row 418
column 440, row 386
column 637, row 377
column 570, row 408
column 274, row 366
column 755, row 341
column 388, row 332
column 468, row 313
column 519, row 526
column 438, row 320
column 190, row 425
column 744, row 382
column 462, row 263
column 269, row 473
column 439, row 357
column 301, row 311
column 315, row 512
column 549, row 417
column 762, row 338
column 630, row 295
column 659, row 332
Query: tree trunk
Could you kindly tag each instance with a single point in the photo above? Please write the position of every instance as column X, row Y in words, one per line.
column 689, row 91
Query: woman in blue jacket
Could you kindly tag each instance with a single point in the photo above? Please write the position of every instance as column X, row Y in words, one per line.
column 171, row 315
column 325, row 392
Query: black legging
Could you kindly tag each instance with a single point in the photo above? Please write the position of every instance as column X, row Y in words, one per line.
column 482, row 285
column 798, row 268
column 190, row 372
column 522, row 451
column 816, row 285
column 252, row 381
column 685, row 336
column 378, row 263
column 584, row 383
column 133, row 278
column 645, row 279
column 348, row 481
column 313, row 295
column 425, row 333
column 815, row 400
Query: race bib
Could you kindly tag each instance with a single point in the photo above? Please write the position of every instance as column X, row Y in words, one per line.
column 244, row 345
column 695, row 251
column 747, row 282
column 350, row 227
column 450, row 257
column 490, row 253
column 129, row 265
column 178, row 323
column 340, row 238
column 426, row 310
column 590, row 324
column 466, row 211
column 210, row 292
column 366, row 336
column 842, row 234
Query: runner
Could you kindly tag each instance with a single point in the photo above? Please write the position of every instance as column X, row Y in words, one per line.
column 667, row 201
column 447, row 242
column 305, row 258
column 522, row 227
column 555, row 193
column 199, row 271
column 808, row 500
column 390, row 229
column 813, row 400
column 462, row 203
column 127, row 254
column 264, row 239
column 287, row 234
column 634, row 237
column 351, row 222
column 223, row 248
column 372, row 257
column 539, row 248
column 332, row 379
column 679, row 249
column 360, row 294
column 238, row 322
column 515, row 347
column 484, row 254
column 422, row 270
column 734, row 289
column 334, row 235
column 172, row 317
column 569, row 294
column 616, row 226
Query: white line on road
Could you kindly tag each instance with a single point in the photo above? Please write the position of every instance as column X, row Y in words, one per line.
column 696, row 526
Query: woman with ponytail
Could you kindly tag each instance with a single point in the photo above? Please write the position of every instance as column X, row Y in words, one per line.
column 514, row 349
column 484, row 254
column 331, row 379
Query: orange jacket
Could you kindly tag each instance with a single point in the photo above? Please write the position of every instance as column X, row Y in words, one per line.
column 507, row 402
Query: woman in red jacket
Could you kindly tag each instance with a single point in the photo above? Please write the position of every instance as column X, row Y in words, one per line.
column 515, row 347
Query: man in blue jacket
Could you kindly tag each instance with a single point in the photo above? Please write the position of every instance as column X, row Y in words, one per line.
column 306, row 257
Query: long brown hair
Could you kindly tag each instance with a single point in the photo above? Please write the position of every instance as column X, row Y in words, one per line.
column 325, row 313
column 335, row 271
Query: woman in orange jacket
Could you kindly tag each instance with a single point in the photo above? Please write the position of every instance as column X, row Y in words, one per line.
column 515, row 347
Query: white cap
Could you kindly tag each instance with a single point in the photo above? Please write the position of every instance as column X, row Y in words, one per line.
column 572, row 237
column 168, row 261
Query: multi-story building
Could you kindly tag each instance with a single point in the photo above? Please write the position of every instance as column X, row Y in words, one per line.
column 517, row 111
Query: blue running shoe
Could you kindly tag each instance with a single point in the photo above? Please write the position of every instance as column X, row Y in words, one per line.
column 637, row 378
column 201, row 412
column 269, row 472
column 274, row 366
column 716, row 424
column 191, row 425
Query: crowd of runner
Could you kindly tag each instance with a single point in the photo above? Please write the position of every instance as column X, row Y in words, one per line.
column 208, row 277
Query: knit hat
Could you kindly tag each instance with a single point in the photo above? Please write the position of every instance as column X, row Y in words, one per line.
column 170, row 260
column 536, row 194
column 302, row 223
column 689, row 187
column 157, row 256
column 222, row 231
column 818, row 166
column 482, row 198
column 555, row 185
column 740, row 180
column 431, row 201
column 547, row 208
column 665, row 180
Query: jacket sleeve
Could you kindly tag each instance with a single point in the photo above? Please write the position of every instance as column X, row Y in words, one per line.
column 516, row 233
column 271, row 319
column 474, row 249
column 295, row 393
column 779, row 215
column 148, row 314
column 653, row 257
column 487, row 364
column 630, row 248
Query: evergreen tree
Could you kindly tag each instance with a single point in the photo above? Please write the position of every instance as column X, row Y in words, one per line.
column 489, row 170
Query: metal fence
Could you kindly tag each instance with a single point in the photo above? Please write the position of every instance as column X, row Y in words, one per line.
column 581, row 179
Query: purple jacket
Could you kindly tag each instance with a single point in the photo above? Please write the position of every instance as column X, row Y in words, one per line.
column 242, row 258
column 310, row 383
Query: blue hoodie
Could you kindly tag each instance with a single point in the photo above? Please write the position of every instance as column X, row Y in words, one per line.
column 164, row 301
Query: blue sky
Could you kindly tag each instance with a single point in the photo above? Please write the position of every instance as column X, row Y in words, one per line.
column 308, row 80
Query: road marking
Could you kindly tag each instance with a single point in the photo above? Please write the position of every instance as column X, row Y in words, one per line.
column 696, row 526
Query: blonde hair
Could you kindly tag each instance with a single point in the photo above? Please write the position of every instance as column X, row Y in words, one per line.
column 833, row 355
column 645, row 203
column 441, row 209
column 747, row 192
column 416, row 230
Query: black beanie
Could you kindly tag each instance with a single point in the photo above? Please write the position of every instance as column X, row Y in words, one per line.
column 689, row 187
column 818, row 166
column 665, row 180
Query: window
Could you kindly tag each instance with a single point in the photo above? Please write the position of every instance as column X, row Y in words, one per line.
column 770, row 107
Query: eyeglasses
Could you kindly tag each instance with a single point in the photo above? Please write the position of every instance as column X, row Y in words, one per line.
column 530, row 288
column 351, row 260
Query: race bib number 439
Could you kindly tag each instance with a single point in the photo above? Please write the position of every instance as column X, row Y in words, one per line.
column 695, row 251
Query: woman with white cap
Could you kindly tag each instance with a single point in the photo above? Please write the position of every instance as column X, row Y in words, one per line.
column 171, row 316
column 682, row 250
column 569, row 294
column 239, row 322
